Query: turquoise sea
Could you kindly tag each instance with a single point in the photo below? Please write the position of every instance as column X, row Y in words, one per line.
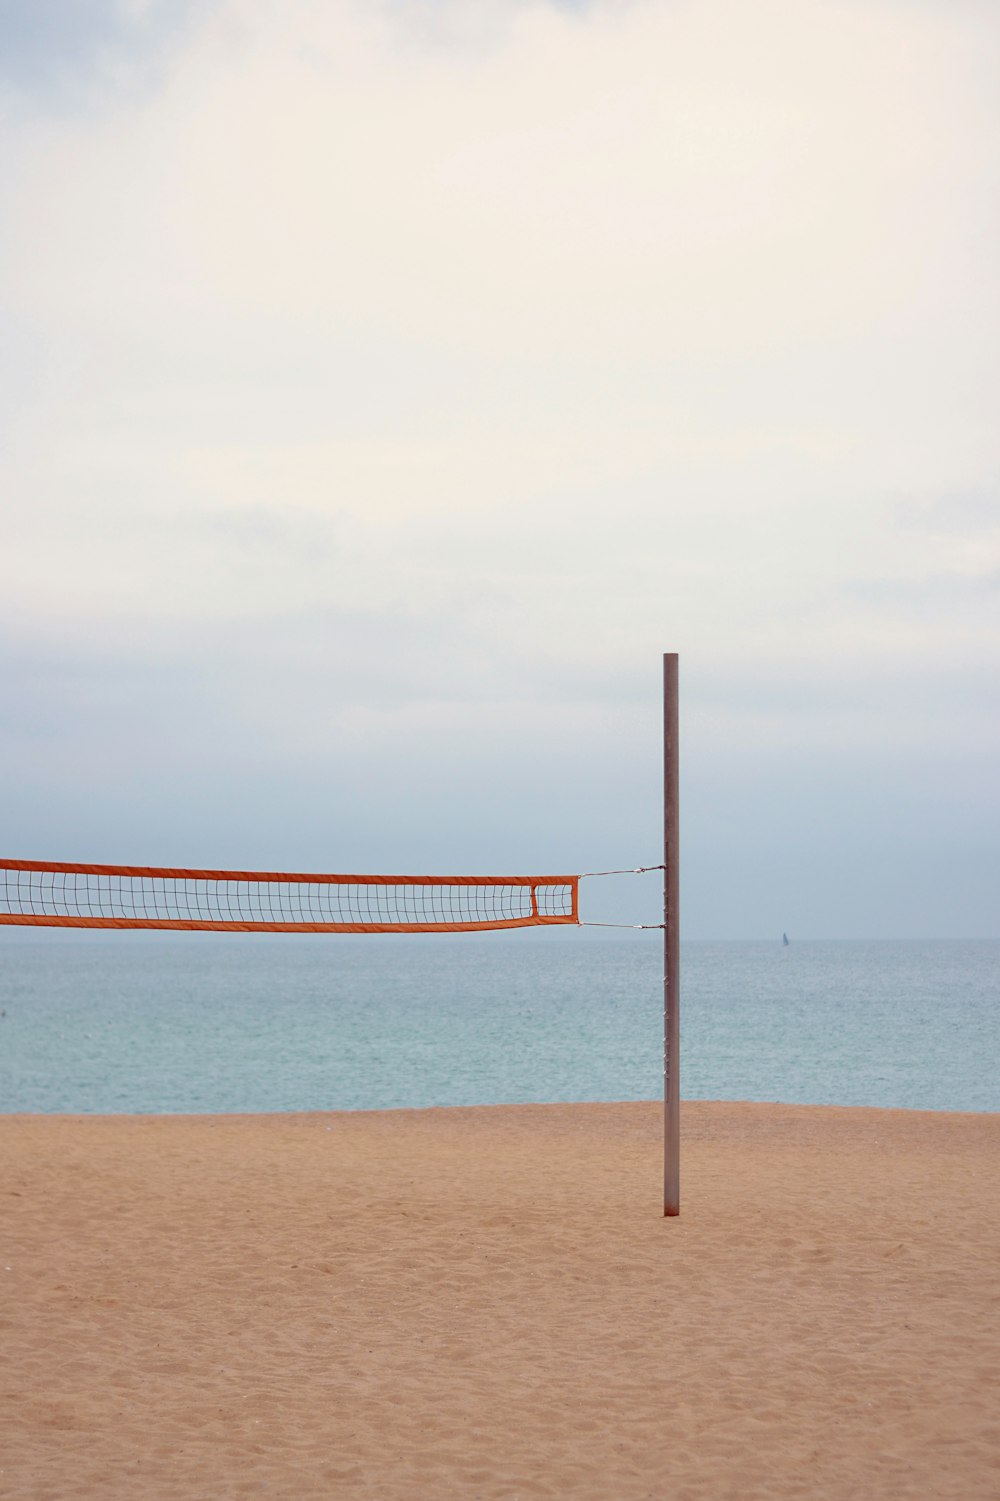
column 206, row 1023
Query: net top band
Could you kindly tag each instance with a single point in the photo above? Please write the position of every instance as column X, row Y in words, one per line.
column 182, row 873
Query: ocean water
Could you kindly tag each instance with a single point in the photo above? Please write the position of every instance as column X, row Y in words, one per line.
column 207, row 1023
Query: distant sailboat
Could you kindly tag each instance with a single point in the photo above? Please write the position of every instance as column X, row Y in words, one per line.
column 784, row 940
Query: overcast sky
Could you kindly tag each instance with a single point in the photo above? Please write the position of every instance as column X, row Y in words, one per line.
column 385, row 386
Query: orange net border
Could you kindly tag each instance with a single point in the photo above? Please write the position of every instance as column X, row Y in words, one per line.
column 37, row 893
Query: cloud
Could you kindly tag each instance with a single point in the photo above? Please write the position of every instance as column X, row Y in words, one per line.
column 63, row 54
column 931, row 594
column 973, row 515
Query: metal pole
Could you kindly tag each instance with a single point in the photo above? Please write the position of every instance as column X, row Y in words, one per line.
column 671, row 945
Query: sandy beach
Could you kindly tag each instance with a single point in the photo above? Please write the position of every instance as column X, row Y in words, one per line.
column 488, row 1303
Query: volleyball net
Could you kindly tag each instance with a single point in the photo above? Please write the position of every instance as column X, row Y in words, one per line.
column 55, row 895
